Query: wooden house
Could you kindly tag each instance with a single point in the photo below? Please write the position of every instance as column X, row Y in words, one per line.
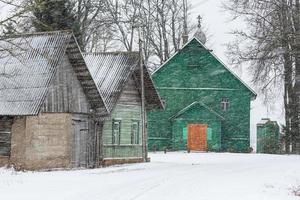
column 268, row 136
column 49, row 103
column 207, row 106
column 118, row 78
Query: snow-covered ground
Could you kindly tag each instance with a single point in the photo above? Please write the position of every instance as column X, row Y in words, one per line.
column 201, row 176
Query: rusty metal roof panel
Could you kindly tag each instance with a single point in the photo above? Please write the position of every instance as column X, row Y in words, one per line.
column 110, row 72
column 27, row 66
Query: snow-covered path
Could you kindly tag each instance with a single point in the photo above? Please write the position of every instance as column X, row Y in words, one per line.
column 201, row 176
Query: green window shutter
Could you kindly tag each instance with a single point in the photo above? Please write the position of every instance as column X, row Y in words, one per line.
column 209, row 134
column 184, row 133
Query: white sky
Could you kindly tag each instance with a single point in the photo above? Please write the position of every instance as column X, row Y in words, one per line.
column 219, row 26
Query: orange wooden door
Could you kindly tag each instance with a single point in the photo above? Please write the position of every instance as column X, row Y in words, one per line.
column 197, row 137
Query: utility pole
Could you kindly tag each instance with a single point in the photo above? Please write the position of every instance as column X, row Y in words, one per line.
column 143, row 109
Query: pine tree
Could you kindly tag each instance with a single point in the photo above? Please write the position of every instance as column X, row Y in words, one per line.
column 52, row 15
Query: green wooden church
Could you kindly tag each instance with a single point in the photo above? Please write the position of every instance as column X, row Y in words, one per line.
column 207, row 106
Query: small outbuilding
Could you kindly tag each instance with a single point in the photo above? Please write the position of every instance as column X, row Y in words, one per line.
column 49, row 104
column 268, row 136
column 118, row 78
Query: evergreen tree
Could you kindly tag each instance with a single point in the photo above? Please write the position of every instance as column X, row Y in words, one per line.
column 51, row 15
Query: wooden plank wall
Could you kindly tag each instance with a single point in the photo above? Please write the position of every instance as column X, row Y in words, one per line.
column 130, row 94
column 66, row 94
column 86, row 141
column 128, row 108
column 5, row 135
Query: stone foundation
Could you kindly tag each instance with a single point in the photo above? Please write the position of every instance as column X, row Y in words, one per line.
column 42, row 142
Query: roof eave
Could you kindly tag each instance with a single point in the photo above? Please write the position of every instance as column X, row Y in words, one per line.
column 106, row 112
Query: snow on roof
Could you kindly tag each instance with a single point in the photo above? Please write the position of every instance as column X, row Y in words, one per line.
column 111, row 70
column 264, row 121
column 28, row 63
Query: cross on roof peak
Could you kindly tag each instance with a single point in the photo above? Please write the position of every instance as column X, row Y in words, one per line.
column 199, row 21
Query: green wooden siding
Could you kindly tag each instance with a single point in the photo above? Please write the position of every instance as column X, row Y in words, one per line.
column 180, row 85
column 123, row 151
column 196, row 115
column 125, row 114
column 127, row 111
column 268, row 138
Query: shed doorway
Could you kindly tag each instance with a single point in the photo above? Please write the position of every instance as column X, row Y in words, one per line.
column 197, row 137
column 80, row 137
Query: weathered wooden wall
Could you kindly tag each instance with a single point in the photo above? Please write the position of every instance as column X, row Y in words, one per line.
column 5, row 134
column 127, row 109
column 65, row 93
column 86, row 134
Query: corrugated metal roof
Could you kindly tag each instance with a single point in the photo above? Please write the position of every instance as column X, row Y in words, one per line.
column 85, row 78
column 28, row 64
column 110, row 72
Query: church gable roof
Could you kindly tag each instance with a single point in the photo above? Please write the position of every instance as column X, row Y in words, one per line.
column 194, row 104
column 214, row 58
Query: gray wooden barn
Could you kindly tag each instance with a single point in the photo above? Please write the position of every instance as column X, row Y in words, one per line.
column 56, row 111
column 49, row 103
column 118, row 77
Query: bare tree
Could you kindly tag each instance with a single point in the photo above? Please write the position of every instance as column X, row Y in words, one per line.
column 270, row 45
column 161, row 25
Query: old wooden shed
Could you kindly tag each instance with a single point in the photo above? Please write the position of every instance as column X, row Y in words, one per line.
column 268, row 136
column 49, row 103
column 207, row 105
column 118, row 78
